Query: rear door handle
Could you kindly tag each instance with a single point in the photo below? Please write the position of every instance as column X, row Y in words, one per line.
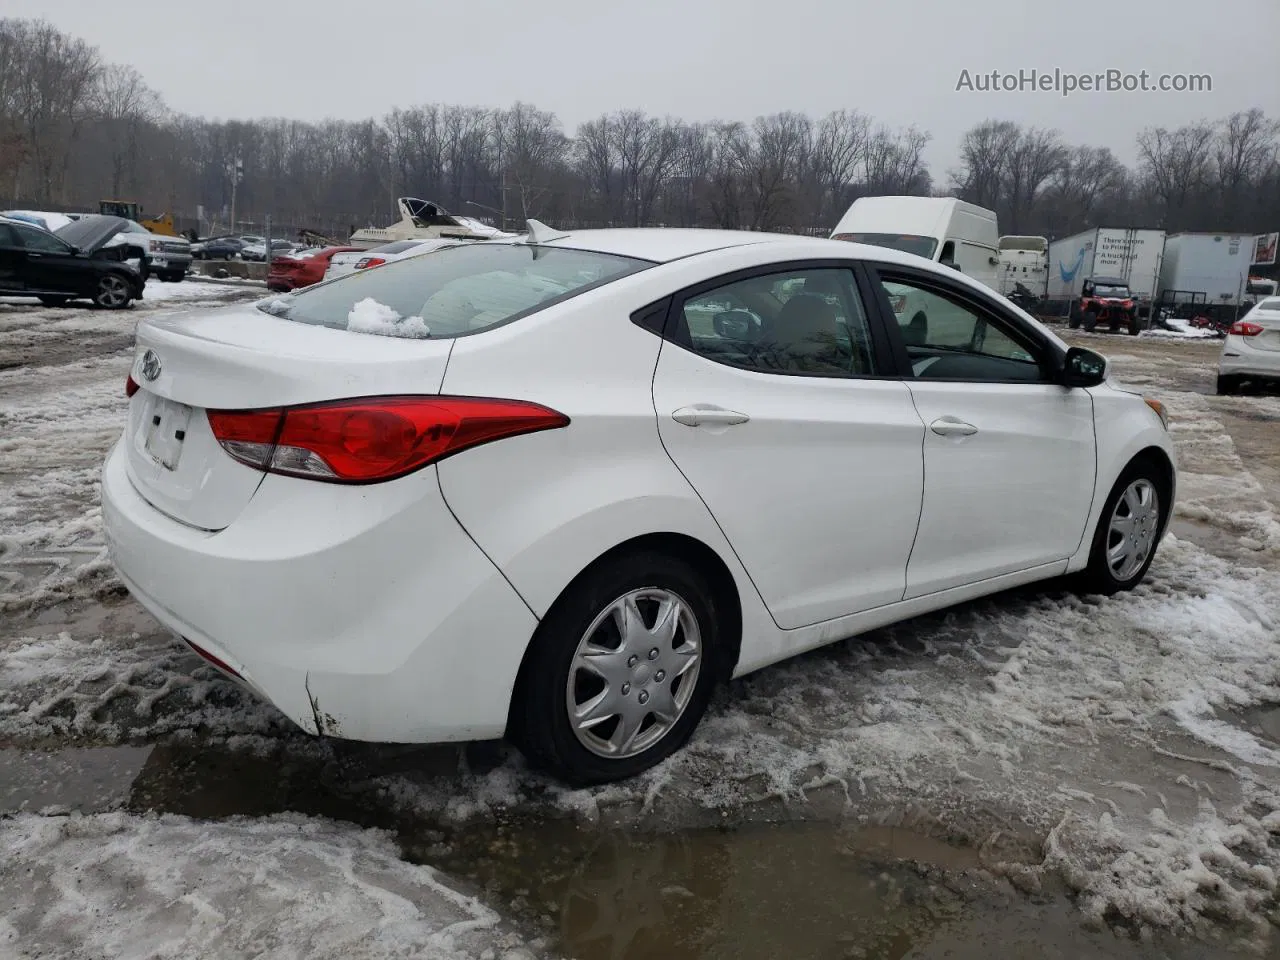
column 702, row 414
column 952, row 427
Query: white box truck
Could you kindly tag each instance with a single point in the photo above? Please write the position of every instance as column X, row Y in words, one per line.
column 1024, row 261
column 1131, row 254
column 1206, row 268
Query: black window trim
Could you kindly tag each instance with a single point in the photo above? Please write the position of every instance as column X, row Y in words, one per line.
column 1050, row 357
column 881, row 345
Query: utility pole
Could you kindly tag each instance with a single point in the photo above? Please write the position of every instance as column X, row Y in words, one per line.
column 236, row 170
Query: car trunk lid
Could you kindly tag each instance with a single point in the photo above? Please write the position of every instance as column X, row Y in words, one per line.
column 236, row 359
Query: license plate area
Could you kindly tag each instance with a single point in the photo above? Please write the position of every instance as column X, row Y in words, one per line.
column 166, row 431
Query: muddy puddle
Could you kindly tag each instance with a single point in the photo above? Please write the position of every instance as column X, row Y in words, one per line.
column 795, row 890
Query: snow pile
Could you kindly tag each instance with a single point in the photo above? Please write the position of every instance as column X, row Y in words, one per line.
column 370, row 316
column 159, row 291
column 114, row 885
column 1180, row 329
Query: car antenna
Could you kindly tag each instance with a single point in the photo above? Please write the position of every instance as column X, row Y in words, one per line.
column 539, row 232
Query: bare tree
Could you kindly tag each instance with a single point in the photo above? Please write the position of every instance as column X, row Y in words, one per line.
column 596, row 153
column 1033, row 159
column 530, row 147
column 895, row 163
column 777, row 162
column 839, row 149
column 1176, row 164
column 984, row 162
column 55, row 74
column 1244, row 149
column 125, row 105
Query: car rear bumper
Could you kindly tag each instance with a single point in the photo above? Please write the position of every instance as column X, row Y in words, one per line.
column 1239, row 358
column 361, row 617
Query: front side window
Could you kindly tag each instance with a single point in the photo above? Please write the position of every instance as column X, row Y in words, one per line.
column 949, row 339
column 806, row 321
column 456, row 291
column 38, row 241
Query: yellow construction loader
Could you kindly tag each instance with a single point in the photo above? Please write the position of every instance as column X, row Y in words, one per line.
column 161, row 225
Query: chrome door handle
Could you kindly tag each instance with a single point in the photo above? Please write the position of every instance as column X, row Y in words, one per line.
column 952, row 427
column 701, row 414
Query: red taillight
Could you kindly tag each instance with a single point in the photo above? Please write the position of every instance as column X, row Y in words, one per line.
column 220, row 664
column 374, row 439
column 370, row 262
column 130, row 386
column 1243, row 328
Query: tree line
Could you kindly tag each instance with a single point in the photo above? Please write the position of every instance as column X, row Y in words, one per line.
column 75, row 129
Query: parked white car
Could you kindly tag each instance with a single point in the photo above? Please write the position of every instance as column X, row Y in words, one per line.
column 1251, row 350
column 443, row 504
column 342, row 264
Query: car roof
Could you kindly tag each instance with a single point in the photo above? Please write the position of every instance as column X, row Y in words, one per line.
column 664, row 244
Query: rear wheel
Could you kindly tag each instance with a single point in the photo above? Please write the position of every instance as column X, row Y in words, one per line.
column 1228, row 385
column 113, row 292
column 1090, row 320
column 1129, row 529
column 620, row 670
column 1135, row 325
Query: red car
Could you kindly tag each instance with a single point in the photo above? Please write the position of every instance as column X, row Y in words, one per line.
column 302, row 270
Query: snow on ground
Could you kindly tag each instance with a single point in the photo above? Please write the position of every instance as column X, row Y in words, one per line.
column 204, row 288
column 1110, row 728
column 114, row 885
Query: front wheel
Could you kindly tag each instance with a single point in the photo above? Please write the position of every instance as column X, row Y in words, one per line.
column 1133, row 518
column 620, row 670
column 113, row 292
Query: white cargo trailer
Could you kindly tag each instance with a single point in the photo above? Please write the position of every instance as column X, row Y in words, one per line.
column 1132, row 254
column 1208, row 268
column 1025, row 261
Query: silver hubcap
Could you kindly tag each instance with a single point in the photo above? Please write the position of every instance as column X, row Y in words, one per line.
column 633, row 673
column 1134, row 524
column 112, row 292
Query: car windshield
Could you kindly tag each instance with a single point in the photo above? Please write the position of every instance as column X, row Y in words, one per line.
column 456, row 291
column 906, row 242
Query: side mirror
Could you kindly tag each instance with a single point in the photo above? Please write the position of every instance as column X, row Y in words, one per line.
column 735, row 325
column 1083, row 368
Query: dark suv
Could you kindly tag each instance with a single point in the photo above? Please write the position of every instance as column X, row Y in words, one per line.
column 72, row 264
column 1106, row 300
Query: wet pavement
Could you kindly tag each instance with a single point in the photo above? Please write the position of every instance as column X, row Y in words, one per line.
column 943, row 834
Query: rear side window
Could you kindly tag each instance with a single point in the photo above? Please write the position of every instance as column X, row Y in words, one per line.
column 453, row 292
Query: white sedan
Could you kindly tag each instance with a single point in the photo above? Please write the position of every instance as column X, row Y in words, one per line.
column 1251, row 350
column 557, row 488
column 353, row 260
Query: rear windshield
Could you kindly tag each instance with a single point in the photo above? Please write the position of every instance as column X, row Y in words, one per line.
column 399, row 246
column 453, row 292
column 906, row 242
column 1269, row 305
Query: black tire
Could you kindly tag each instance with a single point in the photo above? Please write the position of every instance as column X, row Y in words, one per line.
column 114, row 292
column 1135, row 325
column 1073, row 320
column 539, row 723
column 1099, row 576
column 172, row 276
column 226, row 257
column 1228, row 385
column 55, row 301
column 1089, row 321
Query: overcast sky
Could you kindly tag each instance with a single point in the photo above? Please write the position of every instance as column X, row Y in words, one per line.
column 898, row 60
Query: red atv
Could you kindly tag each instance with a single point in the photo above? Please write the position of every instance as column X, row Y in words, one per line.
column 1106, row 300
